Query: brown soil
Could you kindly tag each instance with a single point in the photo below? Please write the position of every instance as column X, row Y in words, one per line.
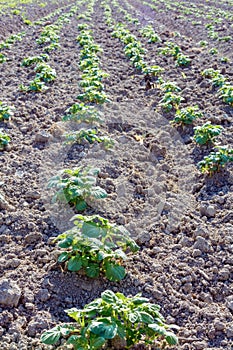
column 155, row 189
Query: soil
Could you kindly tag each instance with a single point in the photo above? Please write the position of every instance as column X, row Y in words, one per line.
column 181, row 219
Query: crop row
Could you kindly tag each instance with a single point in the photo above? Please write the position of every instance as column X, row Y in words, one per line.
column 94, row 245
column 203, row 135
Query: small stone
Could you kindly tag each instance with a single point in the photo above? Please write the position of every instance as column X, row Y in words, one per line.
column 42, row 137
column 229, row 302
column 33, row 195
column 196, row 252
column 33, row 237
column 224, row 274
column 43, row 294
column 229, row 332
column 199, row 345
column 185, row 242
column 10, row 293
column 144, row 237
column 218, row 325
column 13, row 263
column 210, row 211
column 201, row 244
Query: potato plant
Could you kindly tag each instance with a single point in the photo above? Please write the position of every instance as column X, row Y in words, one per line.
column 170, row 101
column 206, row 133
column 77, row 187
column 226, row 93
column 35, row 85
column 4, row 140
column 149, row 33
column 34, row 59
column 96, row 246
column 186, row 116
column 79, row 112
column 6, row 112
column 216, row 160
column 113, row 316
column 2, row 58
column 90, row 135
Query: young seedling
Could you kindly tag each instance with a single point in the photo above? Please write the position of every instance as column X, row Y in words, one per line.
column 4, row 140
column 34, row 59
column 90, row 135
column 216, row 160
column 35, row 85
column 93, row 96
column 182, row 60
column 6, row 112
column 2, row 58
column 77, row 187
column 226, row 93
column 170, row 101
column 169, row 86
column 113, row 316
column 207, row 133
column 79, row 112
column 96, row 246
column 45, row 72
column 186, row 116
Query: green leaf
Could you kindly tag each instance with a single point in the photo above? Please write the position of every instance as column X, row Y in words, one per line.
column 134, row 317
column 65, row 243
column 90, row 229
column 93, row 270
column 104, row 327
column 81, row 205
column 145, row 317
column 52, row 336
column 63, row 257
column 140, row 300
column 109, row 297
column 171, row 338
column 97, row 342
column 158, row 329
column 74, row 264
column 114, row 272
column 98, row 192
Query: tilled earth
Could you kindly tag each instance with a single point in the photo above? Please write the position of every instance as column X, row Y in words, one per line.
column 181, row 219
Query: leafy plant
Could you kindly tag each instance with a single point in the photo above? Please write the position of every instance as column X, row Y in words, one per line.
column 2, row 58
column 153, row 70
column 93, row 96
column 206, row 133
column 52, row 47
column 213, row 51
column 96, row 246
column 4, row 140
column 35, row 85
column 226, row 93
column 169, row 86
column 170, row 100
column 90, row 135
column 186, row 115
column 5, row 111
column 46, row 73
column 130, row 320
column 34, row 59
column 149, row 33
column 182, row 60
column 170, row 49
column 216, row 160
column 77, row 186
column 80, row 112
